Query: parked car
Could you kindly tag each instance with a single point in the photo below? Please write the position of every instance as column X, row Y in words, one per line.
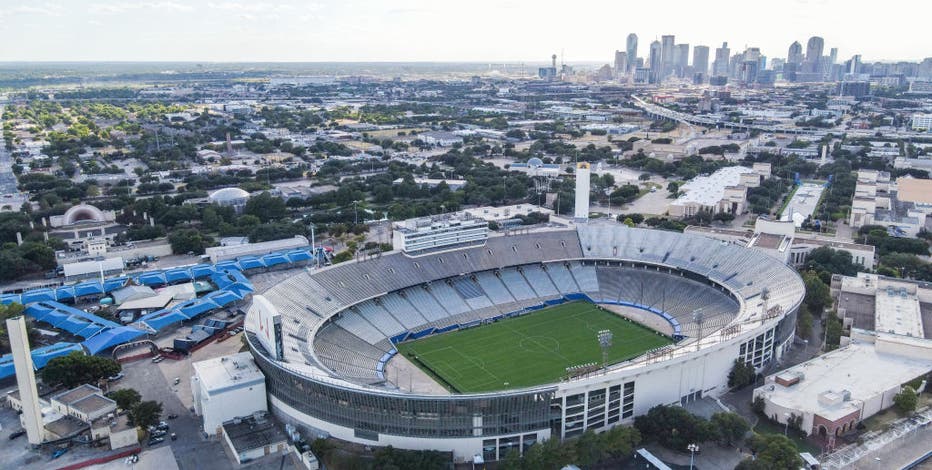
column 174, row 437
column 16, row 434
column 158, row 434
column 172, row 416
column 115, row 377
column 58, row 453
column 156, row 440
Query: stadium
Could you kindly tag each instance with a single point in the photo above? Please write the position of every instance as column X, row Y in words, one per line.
column 525, row 337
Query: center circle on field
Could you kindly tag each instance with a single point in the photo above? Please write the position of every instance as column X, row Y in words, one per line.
column 536, row 344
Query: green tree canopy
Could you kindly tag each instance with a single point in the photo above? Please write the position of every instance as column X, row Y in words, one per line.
column 126, row 398
column 76, row 369
column 146, row 413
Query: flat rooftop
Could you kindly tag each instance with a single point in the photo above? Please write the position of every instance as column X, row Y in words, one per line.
column 251, row 433
column 914, row 190
column 857, row 368
column 228, row 372
column 709, row 190
column 898, row 312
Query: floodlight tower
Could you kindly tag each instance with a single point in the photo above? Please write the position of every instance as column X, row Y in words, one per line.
column 605, row 342
column 697, row 317
column 25, row 379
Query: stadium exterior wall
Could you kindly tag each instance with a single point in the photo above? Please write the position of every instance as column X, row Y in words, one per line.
column 464, row 424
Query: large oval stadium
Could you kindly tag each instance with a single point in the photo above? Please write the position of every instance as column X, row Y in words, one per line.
column 482, row 349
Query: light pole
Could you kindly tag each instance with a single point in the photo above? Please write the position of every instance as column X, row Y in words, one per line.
column 605, row 342
column 355, row 214
column 692, row 448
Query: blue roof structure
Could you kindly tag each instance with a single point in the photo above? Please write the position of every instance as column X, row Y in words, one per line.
column 43, row 304
column 75, row 321
column 40, row 357
column 111, row 337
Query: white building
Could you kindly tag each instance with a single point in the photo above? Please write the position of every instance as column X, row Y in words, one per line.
column 89, row 269
column 581, row 212
column 505, row 213
column 922, row 122
column 220, row 253
column 834, row 392
column 723, row 191
column 440, row 139
column 436, row 232
column 225, row 388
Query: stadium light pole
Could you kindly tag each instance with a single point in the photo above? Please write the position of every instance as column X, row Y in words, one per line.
column 605, row 342
column 692, row 448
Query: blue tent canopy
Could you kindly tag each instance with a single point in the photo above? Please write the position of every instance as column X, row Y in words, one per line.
column 38, row 295
column 111, row 285
column 158, row 320
column 75, row 321
column 299, row 255
column 88, row 288
column 64, row 293
column 201, row 270
column 228, row 264
column 175, row 275
column 250, row 262
column 152, row 278
column 40, row 357
column 111, row 337
column 274, row 259
column 9, row 299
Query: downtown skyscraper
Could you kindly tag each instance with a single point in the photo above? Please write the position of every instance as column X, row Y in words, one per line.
column 632, row 50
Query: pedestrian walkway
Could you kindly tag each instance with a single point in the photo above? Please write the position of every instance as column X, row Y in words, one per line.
column 872, row 441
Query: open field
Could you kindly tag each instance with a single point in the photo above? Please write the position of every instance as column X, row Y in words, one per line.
column 528, row 350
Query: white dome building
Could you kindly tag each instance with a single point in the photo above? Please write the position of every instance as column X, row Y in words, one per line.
column 234, row 197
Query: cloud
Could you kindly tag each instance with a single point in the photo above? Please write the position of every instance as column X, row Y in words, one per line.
column 113, row 8
column 42, row 9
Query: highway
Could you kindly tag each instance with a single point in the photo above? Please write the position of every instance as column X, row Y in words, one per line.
column 660, row 111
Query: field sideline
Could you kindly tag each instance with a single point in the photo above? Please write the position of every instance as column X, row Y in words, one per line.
column 529, row 350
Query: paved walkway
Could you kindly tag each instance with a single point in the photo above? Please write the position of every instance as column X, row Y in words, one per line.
column 903, row 442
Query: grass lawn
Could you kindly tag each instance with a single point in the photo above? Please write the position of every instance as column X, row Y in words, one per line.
column 529, row 350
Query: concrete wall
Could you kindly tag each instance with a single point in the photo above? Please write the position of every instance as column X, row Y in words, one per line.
column 228, row 404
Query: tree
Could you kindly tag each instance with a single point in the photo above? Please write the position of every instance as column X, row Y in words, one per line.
column 76, row 369
column 833, row 331
column 730, row 427
column 6, row 312
column 673, row 427
column 266, row 207
column 758, row 405
column 804, row 322
column 742, row 374
column 772, row 452
column 189, row 241
column 146, row 413
column 126, row 398
column 906, row 400
column 818, row 295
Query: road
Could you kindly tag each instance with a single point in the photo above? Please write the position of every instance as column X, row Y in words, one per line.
column 7, row 178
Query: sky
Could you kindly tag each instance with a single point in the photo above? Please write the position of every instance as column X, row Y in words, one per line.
column 445, row 30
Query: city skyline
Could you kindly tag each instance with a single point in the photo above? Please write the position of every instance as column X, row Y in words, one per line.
column 416, row 31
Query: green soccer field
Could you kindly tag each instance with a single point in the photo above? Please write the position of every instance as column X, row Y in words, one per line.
column 528, row 350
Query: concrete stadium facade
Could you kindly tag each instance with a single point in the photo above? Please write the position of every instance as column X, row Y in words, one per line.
column 750, row 301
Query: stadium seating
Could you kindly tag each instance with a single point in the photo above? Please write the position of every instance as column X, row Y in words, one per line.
column 516, row 284
column 396, row 294
column 539, row 281
column 494, row 288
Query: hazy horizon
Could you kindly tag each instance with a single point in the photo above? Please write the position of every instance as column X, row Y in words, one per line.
column 419, row 31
